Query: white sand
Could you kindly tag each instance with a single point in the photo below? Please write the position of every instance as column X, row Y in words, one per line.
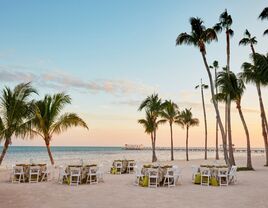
column 118, row 191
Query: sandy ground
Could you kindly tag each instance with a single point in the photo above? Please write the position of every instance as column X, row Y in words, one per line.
column 118, row 191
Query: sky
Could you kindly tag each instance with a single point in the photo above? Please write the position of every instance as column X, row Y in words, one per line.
column 109, row 55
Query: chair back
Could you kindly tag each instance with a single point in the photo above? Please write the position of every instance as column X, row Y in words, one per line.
column 137, row 169
column 34, row 169
column 170, row 172
column 93, row 170
column 17, row 169
column 233, row 170
column 118, row 164
column 204, row 171
column 75, row 170
column 177, row 170
column 153, row 172
column 131, row 164
column 223, row 171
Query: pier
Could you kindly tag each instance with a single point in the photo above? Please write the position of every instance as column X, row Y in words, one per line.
column 191, row 149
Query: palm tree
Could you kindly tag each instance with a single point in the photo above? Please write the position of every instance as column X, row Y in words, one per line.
column 150, row 125
column 202, row 87
column 154, row 105
column 187, row 120
column 225, row 23
column 199, row 37
column 215, row 66
column 264, row 15
column 171, row 115
column 49, row 120
column 233, row 87
column 16, row 111
column 256, row 73
column 248, row 40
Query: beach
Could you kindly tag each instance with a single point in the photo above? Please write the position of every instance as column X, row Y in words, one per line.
column 119, row 191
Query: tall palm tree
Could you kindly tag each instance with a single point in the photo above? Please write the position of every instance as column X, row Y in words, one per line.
column 186, row 121
column 149, row 127
column 233, row 87
column 251, row 41
column 49, row 120
column 199, row 37
column 154, row 105
column 16, row 112
column 248, row 40
column 170, row 114
column 256, row 73
column 264, row 15
column 225, row 23
column 202, row 87
column 215, row 66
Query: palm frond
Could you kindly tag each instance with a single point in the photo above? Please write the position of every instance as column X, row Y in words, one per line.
column 264, row 14
column 185, row 38
column 66, row 121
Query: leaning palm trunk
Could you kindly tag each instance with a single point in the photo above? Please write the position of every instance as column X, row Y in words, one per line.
column 238, row 106
column 216, row 109
column 205, row 121
column 264, row 130
column 49, row 151
column 230, row 143
column 171, row 141
column 4, row 151
column 217, row 123
column 187, row 135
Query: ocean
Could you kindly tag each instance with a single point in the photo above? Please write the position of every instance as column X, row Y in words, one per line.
column 75, row 155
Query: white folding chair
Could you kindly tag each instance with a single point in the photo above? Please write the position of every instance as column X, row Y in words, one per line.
column 75, row 175
column 169, row 178
column 34, row 174
column 138, row 174
column 232, row 177
column 177, row 174
column 62, row 175
column 18, row 174
column 153, row 178
column 46, row 173
column 92, row 176
column 223, row 176
column 130, row 166
column 205, row 176
column 194, row 172
column 119, row 166
column 100, row 173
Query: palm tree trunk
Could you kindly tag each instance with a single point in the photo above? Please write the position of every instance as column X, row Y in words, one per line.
column 238, row 106
column 154, row 159
column 217, row 124
column 216, row 109
column 4, row 151
column 171, row 141
column 264, row 130
column 187, row 156
column 49, row 152
column 217, row 141
column 229, row 130
column 205, row 121
column 226, row 123
column 230, row 143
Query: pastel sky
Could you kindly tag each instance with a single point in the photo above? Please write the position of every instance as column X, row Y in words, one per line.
column 109, row 55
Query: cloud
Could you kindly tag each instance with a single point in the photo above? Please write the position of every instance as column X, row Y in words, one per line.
column 66, row 81
column 9, row 76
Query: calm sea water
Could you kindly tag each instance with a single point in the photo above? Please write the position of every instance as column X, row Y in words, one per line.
column 75, row 155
